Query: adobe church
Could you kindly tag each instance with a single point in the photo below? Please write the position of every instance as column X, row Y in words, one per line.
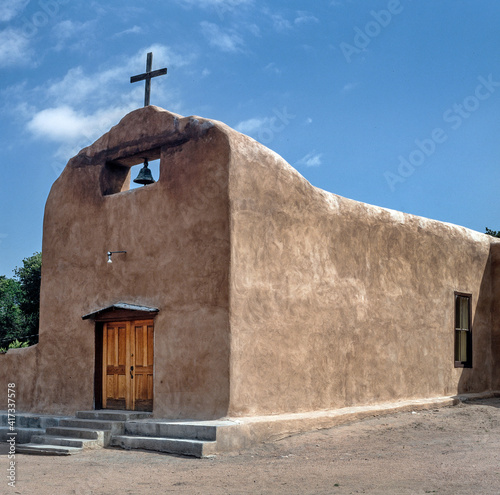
column 237, row 289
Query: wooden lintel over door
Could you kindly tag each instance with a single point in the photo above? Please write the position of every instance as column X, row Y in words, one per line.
column 128, row 360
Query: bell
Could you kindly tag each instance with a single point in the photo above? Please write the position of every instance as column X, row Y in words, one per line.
column 145, row 177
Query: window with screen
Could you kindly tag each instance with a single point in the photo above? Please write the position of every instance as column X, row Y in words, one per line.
column 463, row 331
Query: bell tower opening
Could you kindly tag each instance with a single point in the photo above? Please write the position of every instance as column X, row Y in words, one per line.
column 118, row 175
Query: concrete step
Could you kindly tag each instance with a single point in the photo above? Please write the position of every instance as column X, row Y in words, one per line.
column 40, row 449
column 102, row 436
column 82, row 443
column 113, row 415
column 196, row 448
column 116, row 427
column 172, row 429
column 23, row 435
column 29, row 420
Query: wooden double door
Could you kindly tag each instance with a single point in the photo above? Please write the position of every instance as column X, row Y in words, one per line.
column 128, row 362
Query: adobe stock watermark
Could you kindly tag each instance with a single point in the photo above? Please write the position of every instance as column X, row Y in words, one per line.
column 12, row 440
column 455, row 117
column 41, row 18
column 274, row 125
column 363, row 37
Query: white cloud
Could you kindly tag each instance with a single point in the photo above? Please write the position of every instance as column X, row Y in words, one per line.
column 163, row 56
column 220, row 7
column 280, row 23
column 309, row 121
column 350, row 87
column 271, row 67
column 312, row 159
column 304, row 18
column 99, row 88
column 14, row 48
column 69, row 29
column 62, row 124
column 73, row 34
column 74, row 129
column 77, row 86
column 227, row 41
column 252, row 126
column 84, row 105
column 58, row 124
column 11, row 8
column 229, row 4
column 132, row 30
column 254, row 29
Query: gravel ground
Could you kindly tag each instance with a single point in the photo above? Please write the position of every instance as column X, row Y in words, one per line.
column 451, row 451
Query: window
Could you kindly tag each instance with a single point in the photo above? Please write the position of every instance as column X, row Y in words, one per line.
column 463, row 331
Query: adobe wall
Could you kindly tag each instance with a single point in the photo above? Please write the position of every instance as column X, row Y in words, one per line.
column 176, row 234
column 337, row 303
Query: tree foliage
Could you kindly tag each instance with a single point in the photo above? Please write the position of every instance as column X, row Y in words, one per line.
column 19, row 304
column 494, row 233
column 11, row 316
column 14, row 345
column 30, row 278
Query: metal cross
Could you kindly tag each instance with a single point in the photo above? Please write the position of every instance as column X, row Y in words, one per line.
column 148, row 75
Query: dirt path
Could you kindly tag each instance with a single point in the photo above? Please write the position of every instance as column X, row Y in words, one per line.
column 448, row 451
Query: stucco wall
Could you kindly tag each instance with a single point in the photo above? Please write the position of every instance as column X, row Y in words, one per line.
column 176, row 234
column 20, row 367
column 337, row 303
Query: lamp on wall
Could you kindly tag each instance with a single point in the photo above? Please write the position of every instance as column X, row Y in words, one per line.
column 145, row 176
column 112, row 252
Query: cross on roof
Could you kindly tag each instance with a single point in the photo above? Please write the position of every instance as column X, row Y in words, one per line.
column 147, row 76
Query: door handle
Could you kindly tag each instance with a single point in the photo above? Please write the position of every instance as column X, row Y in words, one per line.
column 131, row 369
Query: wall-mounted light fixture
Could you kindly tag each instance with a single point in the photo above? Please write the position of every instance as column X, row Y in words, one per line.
column 113, row 252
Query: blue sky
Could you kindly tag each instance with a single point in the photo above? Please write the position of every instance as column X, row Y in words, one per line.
column 393, row 102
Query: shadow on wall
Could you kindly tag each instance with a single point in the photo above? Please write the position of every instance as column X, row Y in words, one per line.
column 481, row 376
column 495, row 315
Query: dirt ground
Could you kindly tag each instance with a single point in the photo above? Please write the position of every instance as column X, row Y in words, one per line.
column 452, row 451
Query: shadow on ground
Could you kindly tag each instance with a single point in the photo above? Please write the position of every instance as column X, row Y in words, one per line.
column 493, row 402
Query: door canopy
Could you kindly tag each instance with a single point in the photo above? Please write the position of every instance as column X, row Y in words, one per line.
column 121, row 311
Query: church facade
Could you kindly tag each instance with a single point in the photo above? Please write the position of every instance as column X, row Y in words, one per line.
column 238, row 289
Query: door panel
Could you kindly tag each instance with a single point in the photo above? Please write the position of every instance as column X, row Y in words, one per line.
column 128, row 361
column 115, row 365
column 143, row 368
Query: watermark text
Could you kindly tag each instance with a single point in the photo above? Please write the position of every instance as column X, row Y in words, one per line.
column 11, row 421
column 363, row 37
column 455, row 117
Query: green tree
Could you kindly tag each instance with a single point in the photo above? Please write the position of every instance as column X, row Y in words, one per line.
column 494, row 233
column 30, row 277
column 12, row 320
